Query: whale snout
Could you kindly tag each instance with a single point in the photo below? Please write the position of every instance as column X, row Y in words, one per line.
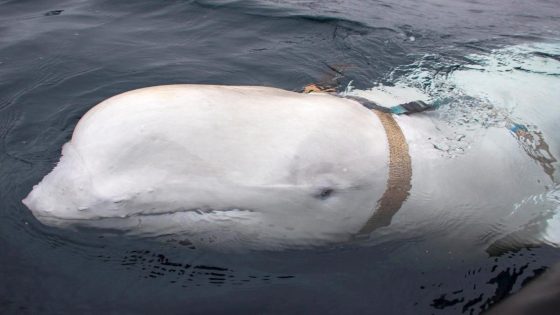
column 64, row 193
column 47, row 209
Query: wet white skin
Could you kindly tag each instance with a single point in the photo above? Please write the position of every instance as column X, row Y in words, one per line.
column 264, row 168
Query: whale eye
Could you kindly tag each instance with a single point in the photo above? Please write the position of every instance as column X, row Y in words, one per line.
column 324, row 193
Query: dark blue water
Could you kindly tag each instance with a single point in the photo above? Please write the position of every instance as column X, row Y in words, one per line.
column 60, row 58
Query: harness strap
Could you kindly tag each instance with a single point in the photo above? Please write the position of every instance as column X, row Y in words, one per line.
column 400, row 176
column 404, row 108
column 400, row 166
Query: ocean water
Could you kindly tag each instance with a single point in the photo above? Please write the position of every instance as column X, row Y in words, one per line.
column 480, row 62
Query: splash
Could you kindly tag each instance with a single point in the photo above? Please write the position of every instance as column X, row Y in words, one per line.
column 513, row 88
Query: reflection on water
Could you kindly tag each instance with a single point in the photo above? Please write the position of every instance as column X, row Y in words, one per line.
column 482, row 64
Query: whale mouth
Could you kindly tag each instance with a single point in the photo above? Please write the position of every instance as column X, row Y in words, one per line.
column 194, row 210
column 201, row 211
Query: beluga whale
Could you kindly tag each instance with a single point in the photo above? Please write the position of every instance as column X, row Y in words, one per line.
column 264, row 168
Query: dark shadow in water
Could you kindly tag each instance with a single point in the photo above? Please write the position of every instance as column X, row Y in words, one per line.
column 151, row 265
column 496, row 282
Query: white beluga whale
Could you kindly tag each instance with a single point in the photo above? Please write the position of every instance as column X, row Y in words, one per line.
column 264, row 168
column 251, row 163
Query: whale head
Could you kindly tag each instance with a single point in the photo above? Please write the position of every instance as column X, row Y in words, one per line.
column 266, row 169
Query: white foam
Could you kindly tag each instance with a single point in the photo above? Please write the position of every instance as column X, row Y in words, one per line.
column 389, row 96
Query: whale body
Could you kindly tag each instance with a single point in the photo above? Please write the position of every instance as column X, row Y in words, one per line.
column 264, row 168
column 257, row 166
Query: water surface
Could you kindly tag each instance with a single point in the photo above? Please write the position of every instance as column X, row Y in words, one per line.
column 59, row 58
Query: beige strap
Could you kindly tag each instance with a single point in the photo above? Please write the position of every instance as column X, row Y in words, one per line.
column 400, row 176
